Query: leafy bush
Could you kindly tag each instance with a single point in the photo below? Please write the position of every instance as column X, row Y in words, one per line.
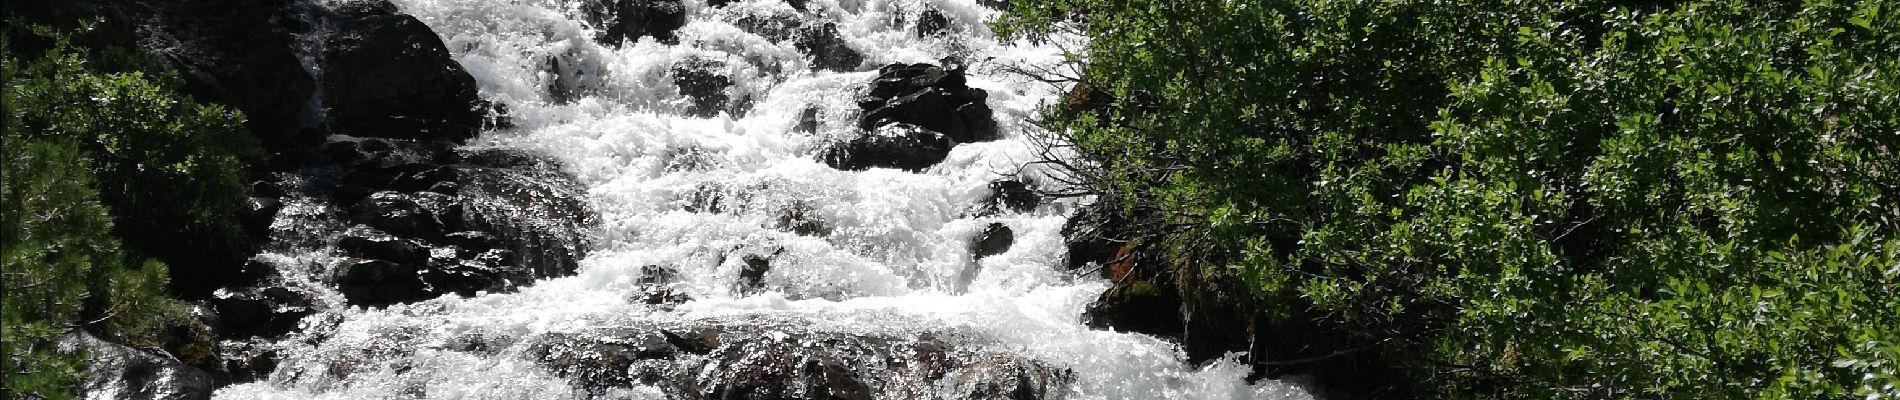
column 169, row 169
column 93, row 157
column 1525, row 199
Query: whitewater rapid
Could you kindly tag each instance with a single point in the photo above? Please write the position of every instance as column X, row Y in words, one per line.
column 892, row 264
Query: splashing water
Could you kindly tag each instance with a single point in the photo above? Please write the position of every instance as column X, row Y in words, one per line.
column 893, row 261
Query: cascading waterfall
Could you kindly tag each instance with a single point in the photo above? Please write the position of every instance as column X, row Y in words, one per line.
column 884, row 275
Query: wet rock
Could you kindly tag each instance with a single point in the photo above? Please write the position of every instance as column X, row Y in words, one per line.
column 473, row 240
column 494, row 270
column 900, row 146
column 388, row 75
column 115, row 371
column 704, row 82
column 596, row 361
column 1138, row 305
column 807, row 121
column 694, row 341
column 799, row 218
column 266, row 312
column 932, row 23
column 618, row 21
column 828, row 49
column 228, row 52
column 379, row 283
column 247, row 361
column 537, row 210
column 422, row 177
column 995, row 239
column 193, row 340
column 1012, row 195
column 362, row 241
column 930, row 97
column 260, row 212
column 656, row 286
column 1096, row 234
column 752, row 274
column 1008, row 378
column 835, row 380
column 267, row 189
column 762, row 358
column 401, row 214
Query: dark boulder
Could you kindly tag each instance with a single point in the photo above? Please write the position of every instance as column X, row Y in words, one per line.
column 248, row 360
column 932, row 23
column 494, row 270
column 900, row 146
column 1150, row 306
column 228, row 52
column 931, row 97
column 752, row 274
column 416, row 215
column 362, row 241
column 1096, row 234
column 260, row 212
column 704, row 83
column 379, row 283
column 995, row 239
column 529, row 204
column 656, row 286
column 265, row 312
column 115, row 371
column 828, row 49
column 618, row 21
column 387, row 75
column 473, row 240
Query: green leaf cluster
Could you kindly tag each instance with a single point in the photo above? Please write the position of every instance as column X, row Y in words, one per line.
column 1522, row 199
column 96, row 154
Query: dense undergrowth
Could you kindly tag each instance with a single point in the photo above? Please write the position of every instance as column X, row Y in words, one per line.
column 1515, row 199
column 105, row 163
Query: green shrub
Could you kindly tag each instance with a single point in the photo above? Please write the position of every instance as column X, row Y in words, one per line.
column 1522, row 199
column 169, row 168
column 86, row 151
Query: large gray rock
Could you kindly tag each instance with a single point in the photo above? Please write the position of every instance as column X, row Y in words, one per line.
column 118, row 372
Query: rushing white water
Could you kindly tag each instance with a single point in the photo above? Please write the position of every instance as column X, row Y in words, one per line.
column 892, row 264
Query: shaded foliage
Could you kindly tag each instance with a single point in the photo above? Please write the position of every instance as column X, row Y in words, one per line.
column 1522, row 199
column 95, row 155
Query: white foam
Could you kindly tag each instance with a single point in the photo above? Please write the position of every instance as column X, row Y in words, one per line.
column 892, row 263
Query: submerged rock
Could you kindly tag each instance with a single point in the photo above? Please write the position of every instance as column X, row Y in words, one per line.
column 704, row 82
